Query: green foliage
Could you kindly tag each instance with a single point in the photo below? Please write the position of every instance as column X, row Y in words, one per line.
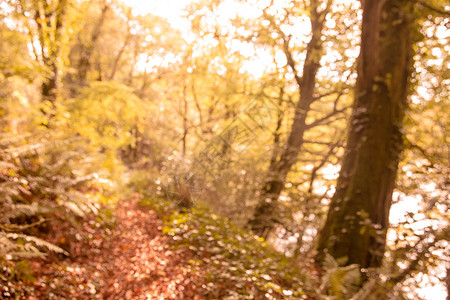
column 24, row 181
column 240, row 261
column 340, row 282
column 106, row 113
column 142, row 181
column 14, row 59
column 22, row 271
column 40, row 179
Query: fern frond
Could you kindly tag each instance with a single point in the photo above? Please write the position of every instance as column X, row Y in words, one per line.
column 340, row 282
column 28, row 210
column 16, row 227
column 7, row 139
column 365, row 291
column 74, row 208
column 21, row 150
column 7, row 165
column 26, row 254
column 10, row 249
column 37, row 241
column 330, row 262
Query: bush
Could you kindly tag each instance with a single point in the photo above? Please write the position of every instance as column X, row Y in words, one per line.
column 242, row 263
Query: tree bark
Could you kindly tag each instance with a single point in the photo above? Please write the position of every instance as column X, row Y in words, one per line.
column 357, row 220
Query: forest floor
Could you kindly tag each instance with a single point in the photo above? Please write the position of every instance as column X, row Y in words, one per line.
column 132, row 260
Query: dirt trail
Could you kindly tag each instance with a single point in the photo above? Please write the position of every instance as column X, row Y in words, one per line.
column 134, row 262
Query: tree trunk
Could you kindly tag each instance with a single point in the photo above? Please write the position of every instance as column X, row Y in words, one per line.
column 265, row 215
column 184, row 111
column 87, row 51
column 50, row 31
column 357, row 221
column 447, row 282
column 119, row 55
column 49, row 86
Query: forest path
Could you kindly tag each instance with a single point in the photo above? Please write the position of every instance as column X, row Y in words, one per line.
column 134, row 262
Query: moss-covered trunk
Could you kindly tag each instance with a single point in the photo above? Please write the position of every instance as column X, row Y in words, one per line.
column 357, row 220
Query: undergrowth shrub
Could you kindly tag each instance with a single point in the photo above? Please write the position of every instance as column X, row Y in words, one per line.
column 237, row 264
column 46, row 188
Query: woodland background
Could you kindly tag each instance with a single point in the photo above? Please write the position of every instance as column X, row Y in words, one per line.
column 240, row 122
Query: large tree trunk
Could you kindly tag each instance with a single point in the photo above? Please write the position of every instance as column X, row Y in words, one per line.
column 265, row 215
column 357, row 220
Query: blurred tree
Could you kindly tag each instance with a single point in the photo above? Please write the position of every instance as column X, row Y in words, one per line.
column 86, row 43
column 284, row 157
column 45, row 24
column 417, row 243
column 357, row 221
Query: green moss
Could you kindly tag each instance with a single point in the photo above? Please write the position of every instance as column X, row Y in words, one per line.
column 23, row 272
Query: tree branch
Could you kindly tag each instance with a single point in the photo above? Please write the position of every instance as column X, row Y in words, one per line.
column 432, row 8
column 321, row 164
column 333, row 113
column 287, row 52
